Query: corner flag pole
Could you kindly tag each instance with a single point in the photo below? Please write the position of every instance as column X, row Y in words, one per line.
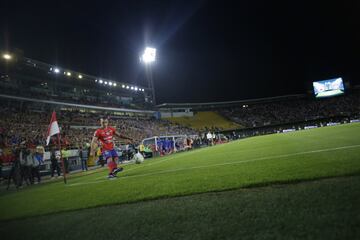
column 61, row 158
column 52, row 130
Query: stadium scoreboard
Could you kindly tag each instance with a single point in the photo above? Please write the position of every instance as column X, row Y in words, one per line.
column 328, row 88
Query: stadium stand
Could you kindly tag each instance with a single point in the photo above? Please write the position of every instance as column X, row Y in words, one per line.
column 77, row 127
column 294, row 110
column 34, row 79
column 274, row 111
column 206, row 120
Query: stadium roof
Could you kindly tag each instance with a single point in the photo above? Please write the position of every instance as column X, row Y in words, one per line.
column 228, row 103
column 18, row 58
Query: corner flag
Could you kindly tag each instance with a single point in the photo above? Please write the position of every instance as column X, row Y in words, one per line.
column 53, row 128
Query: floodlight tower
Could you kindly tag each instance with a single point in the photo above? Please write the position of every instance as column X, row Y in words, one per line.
column 148, row 58
column 7, row 56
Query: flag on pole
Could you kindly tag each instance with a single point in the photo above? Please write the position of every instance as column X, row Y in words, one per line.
column 53, row 128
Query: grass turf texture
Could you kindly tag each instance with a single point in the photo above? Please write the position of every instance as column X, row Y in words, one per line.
column 278, row 158
column 325, row 209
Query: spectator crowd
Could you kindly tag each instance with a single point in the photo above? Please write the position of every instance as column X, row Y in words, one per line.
column 293, row 110
column 77, row 128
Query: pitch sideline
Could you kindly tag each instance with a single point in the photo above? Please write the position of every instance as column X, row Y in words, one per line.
column 219, row 164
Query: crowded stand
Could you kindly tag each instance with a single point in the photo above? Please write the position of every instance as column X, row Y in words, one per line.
column 18, row 125
column 23, row 130
column 292, row 111
column 77, row 128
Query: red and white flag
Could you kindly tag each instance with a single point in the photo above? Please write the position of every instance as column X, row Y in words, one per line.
column 53, row 128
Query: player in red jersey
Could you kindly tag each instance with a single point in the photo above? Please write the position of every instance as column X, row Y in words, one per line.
column 105, row 136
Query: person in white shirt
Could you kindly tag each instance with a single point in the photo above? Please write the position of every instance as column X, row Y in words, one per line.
column 209, row 138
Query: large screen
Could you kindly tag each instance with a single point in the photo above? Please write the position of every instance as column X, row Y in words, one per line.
column 328, row 88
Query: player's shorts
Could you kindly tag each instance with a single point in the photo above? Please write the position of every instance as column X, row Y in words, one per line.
column 110, row 154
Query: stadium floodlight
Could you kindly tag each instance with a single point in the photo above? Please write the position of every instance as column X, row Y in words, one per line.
column 123, row 86
column 110, row 83
column 132, row 88
column 56, row 70
column 7, row 56
column 100, row 81
column 115, row 84
column 135, row 88
column 149, row 55
column 68, row 74
column 143, row 90
column 80, row 76
column 105, row 82
column 127, row 87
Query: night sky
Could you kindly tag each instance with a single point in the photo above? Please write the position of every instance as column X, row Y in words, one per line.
column 207, row 50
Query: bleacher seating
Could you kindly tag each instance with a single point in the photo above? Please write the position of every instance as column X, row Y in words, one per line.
column 205, row 120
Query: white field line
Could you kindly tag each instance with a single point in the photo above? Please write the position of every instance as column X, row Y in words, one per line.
column 170, row 157
column 218, row 164
column 146, row 165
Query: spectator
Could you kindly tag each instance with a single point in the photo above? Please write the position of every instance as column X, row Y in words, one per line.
column 38, row 161
column 209, row 138
column 15, row 171
column 1, row 164
column 65, row 156
column 27, row 167
column 24, row 166
column 54, row 158
column 83, row 154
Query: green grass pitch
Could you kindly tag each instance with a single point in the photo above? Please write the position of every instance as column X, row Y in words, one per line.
column 248, row 164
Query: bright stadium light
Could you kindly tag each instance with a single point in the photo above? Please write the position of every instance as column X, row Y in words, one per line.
column 127, row 87
column 56, row 70
column 96, row 80
column 110, row 83
column 80, row 76
column 105, row 82
column 7, row 56
column 132, row 88
column 100, row 81
column 115, row 84
column 68, row 74
column 149, row 55
column 123, row 86
column 136, row 88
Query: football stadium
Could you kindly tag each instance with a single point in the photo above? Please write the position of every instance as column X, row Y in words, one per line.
column 89, row 154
